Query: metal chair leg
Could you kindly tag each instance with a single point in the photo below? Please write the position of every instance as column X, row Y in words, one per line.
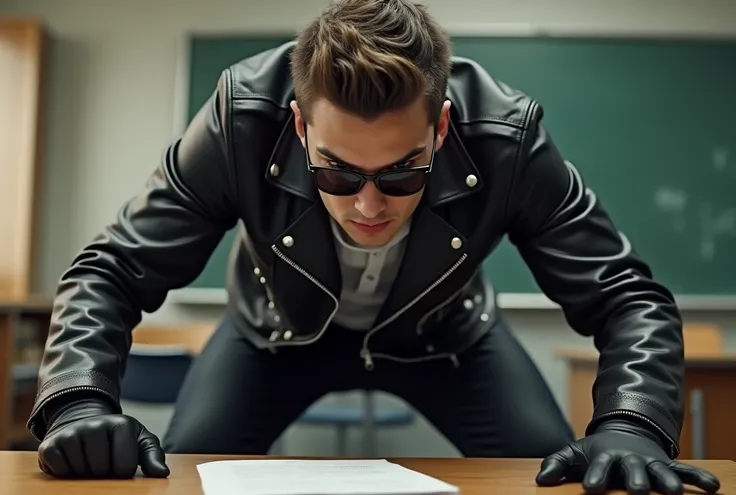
column 342, row 440
column 278, row 447
column 369, row 425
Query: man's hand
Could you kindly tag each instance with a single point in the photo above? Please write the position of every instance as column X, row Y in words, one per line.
column 86, row 440
column 622, row 455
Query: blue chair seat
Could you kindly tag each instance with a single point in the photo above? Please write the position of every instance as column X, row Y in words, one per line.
column 353, row 415
column 154, row 374
column 366, row 415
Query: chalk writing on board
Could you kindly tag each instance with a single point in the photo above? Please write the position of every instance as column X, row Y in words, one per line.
column 671, row 199
column 674, row 202
column 720, row 158
column 712, row 223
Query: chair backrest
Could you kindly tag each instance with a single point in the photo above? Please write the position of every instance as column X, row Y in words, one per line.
column 192, row 336
column 702, row 339
column 154, row 378
column 159, row 360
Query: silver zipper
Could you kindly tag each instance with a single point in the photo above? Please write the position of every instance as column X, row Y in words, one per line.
column 452, row 356
column 674, row 451
column 90, row 388
column 269, row 294
column 368, row 359
column 318, row 284
column 365, row 352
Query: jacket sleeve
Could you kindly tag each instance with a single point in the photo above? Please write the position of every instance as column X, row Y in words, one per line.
column 161, row 240
column 583, row 263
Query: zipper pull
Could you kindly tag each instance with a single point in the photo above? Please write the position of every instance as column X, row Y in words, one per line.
column 455, row 361
column 368, row 360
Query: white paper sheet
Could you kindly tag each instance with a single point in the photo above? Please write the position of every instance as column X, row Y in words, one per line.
column 317, row 477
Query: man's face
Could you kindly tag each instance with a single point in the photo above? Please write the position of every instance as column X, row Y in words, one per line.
column 402, row 138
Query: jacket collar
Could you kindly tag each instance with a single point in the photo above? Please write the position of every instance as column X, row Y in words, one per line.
column 453, row 176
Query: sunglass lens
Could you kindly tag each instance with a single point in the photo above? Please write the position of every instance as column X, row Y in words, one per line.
column 337, row 182
column 402, row 183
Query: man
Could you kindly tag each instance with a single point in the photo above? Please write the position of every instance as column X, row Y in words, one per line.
column 368, row 190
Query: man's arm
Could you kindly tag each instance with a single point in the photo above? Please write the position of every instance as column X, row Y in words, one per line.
column 584, row 264
column 160, row 240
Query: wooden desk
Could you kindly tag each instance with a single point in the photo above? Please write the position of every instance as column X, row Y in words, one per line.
column 19, row 473
column 710, row 404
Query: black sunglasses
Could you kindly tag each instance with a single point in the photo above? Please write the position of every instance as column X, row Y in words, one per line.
column 337, row 181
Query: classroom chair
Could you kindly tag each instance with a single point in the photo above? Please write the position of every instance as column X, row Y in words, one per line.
column 154, row 374
column 343, row 416
column 161, row 356
column 159, row 359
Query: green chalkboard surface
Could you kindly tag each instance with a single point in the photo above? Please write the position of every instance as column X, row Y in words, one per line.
column 651, row 125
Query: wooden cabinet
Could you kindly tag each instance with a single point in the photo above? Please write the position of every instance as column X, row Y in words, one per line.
column 23, row 331
column 23, row 316
column 21, row 73
column 710, row 381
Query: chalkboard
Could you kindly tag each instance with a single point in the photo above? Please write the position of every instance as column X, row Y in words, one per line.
column 650, row 124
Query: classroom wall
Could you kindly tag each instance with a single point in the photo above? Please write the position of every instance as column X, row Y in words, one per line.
column 112, row 106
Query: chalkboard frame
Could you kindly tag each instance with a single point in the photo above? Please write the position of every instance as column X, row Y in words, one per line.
column 506, row 300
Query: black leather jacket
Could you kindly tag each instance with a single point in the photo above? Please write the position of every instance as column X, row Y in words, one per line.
column 241, row 164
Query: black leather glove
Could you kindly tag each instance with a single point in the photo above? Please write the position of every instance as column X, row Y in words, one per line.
column 86, row 439
column 625, row 456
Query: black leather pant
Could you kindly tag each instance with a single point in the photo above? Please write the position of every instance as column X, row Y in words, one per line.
column 238, row 399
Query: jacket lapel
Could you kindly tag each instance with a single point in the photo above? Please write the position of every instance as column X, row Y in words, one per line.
column 433, row 247
column 308, row 241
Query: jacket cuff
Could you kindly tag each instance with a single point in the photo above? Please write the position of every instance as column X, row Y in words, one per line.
column 69, row 387
column 641, row 410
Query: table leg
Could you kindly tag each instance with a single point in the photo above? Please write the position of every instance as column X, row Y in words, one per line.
column 697, row 415
column 7, row 352
column 369, row 427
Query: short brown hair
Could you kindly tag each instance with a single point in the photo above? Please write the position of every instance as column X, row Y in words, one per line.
column 369, row 57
